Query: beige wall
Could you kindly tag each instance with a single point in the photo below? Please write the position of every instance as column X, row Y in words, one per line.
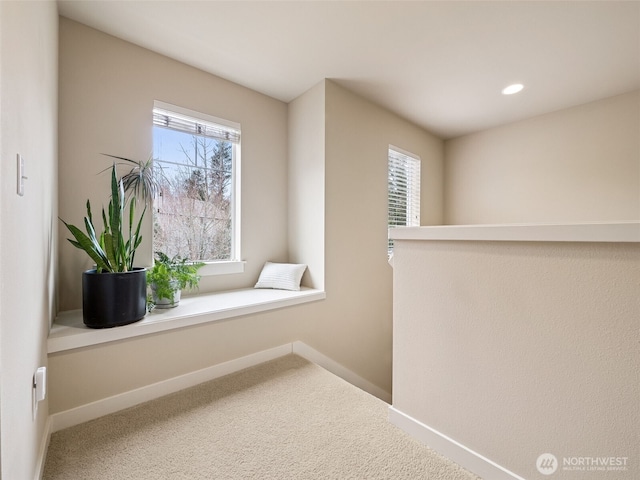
column 28, row 96
column 576, row 165
column 82, row 376
column 103, row 109
column 325, row 205
column 353, row 326
column 520, row 349
column 306, row 176
column 107, row 89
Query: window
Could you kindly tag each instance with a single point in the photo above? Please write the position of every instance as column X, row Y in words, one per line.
column 197, row 159
column 404, row 190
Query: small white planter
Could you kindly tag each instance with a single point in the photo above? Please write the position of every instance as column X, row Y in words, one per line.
column 165, row 302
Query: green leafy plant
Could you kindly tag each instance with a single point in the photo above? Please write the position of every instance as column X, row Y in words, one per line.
column 115, row 248
column 171, row 274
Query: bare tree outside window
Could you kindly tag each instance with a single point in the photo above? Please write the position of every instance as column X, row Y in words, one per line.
column 193, row 212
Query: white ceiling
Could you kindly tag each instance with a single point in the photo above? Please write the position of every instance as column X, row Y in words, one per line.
column 440, row 64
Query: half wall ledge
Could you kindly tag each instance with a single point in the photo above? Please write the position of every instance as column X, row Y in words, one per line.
column 69, row 332
column 571, row 232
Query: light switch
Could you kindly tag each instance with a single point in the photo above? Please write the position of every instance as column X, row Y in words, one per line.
column 39, row 389
column 21, row 176
column 41, row 383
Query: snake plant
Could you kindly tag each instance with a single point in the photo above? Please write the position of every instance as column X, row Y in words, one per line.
column 114, row 249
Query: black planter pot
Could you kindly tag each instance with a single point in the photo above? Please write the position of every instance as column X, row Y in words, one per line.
column 113, row 299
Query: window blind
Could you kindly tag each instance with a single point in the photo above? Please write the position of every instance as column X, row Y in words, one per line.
column 194, row 126
column 404, row 190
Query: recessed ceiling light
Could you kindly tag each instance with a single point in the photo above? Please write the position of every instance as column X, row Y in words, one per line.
column 511, row 89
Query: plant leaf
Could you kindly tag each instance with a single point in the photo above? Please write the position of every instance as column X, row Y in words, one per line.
column 83, row 242
column 141, row 179
column 89, row 211
column 97, row 245
column 107, row 239
column 138, row 237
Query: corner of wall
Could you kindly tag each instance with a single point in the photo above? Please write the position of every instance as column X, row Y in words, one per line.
column 306, row 185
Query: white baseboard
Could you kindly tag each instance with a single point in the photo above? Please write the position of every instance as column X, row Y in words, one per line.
column 305, row 351
column 448, row 447
column 99, row 408
column 105, row 406
column 42, row 453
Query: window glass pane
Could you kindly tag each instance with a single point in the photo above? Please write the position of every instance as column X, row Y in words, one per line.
column 404, row 191
column 193, row 212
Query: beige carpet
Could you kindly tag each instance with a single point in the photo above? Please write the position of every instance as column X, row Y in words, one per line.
column 285, row 419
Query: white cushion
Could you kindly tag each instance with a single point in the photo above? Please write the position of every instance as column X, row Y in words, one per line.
column 283, row 276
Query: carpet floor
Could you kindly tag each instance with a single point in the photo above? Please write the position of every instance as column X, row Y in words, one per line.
column 284, row 419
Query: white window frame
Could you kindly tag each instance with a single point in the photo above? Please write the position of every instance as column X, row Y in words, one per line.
column 235, row 264
column 411, row 163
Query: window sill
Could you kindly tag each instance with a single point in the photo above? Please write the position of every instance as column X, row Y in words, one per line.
column 221, row 267
column 69, row 332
